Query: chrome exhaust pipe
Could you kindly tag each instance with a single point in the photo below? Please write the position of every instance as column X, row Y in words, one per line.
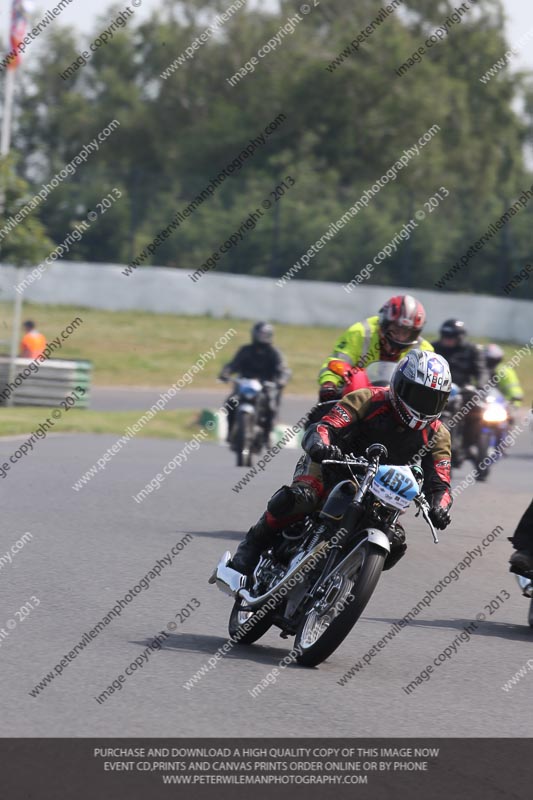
column 233, row 583
column 226, row 578
column 253, row 602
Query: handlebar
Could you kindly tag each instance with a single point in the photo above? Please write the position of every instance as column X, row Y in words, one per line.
column 376, row 452
column 347, row 462
column 237, row 378
column 424, row 507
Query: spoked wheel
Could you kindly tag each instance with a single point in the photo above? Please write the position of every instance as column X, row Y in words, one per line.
column 329, row 621
column 246, row 627
column 243, row 440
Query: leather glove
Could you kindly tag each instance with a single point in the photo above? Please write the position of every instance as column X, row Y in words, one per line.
column 440, row 517
column 320, row 451
column 224, row 377
column 328, row 391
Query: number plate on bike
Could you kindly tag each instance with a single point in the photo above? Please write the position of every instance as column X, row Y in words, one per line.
column 395, row 486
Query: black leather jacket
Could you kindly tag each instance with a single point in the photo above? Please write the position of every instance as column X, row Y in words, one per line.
column 467, row 363
column 260, row 361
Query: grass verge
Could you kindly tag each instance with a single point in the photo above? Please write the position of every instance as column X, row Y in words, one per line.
column 136, row 348
column 179, row 424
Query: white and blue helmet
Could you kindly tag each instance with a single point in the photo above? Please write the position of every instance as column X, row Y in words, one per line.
column 420, row 387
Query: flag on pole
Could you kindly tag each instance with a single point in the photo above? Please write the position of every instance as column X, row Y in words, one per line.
column 17, row 32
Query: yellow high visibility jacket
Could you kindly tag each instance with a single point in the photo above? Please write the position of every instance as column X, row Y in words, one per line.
column 360, row 346
column 509, row 385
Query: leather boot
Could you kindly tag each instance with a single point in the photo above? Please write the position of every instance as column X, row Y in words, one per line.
column 259, row 538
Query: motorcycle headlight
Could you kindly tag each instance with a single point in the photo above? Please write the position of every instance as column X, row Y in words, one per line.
column 495, row 413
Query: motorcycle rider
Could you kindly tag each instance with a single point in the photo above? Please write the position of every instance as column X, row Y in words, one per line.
column 466, row 360
column 469, row 372
column 404, row 417
column 509, row 384
column 388, row 336
column 264, row 362
column 522, row 560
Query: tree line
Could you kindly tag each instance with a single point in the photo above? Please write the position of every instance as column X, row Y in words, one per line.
column 329, row 71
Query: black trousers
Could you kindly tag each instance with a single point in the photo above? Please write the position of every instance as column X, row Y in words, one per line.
column 523, row 535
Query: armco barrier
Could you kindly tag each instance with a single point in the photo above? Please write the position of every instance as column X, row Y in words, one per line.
column 300, row 302
column 52, row 382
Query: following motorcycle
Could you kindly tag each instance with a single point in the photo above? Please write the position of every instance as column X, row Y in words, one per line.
column 318, row 577
column 248, row 432
column 495, row 422
column 477, row 435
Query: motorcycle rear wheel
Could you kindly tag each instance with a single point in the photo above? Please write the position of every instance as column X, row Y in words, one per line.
column 317, row 645
column 259, row 624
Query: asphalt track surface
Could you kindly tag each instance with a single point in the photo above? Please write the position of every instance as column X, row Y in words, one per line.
column 139, row 398
column 90, row 547
column 131, row 398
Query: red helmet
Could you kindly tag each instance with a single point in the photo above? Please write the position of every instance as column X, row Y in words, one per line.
column 401, row 321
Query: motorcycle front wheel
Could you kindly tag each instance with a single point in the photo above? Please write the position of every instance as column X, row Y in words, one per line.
column 482, row 454
column 329, row 621
column 244, row 425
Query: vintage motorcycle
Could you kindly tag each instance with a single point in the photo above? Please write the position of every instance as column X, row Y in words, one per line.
column 495, row 422
column 479, row 434
column 248, row 432
column 315, row 582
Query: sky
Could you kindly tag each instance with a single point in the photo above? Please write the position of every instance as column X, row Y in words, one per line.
column 83, row 15
column 520, row 21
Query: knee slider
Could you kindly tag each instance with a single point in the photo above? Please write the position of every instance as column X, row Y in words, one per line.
column 282, row 502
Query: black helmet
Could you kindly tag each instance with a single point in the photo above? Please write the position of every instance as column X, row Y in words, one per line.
column 453, row 329
column 262, row 333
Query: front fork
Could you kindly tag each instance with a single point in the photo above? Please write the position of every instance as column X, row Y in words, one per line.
column 341, row 512
column 331, row 584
